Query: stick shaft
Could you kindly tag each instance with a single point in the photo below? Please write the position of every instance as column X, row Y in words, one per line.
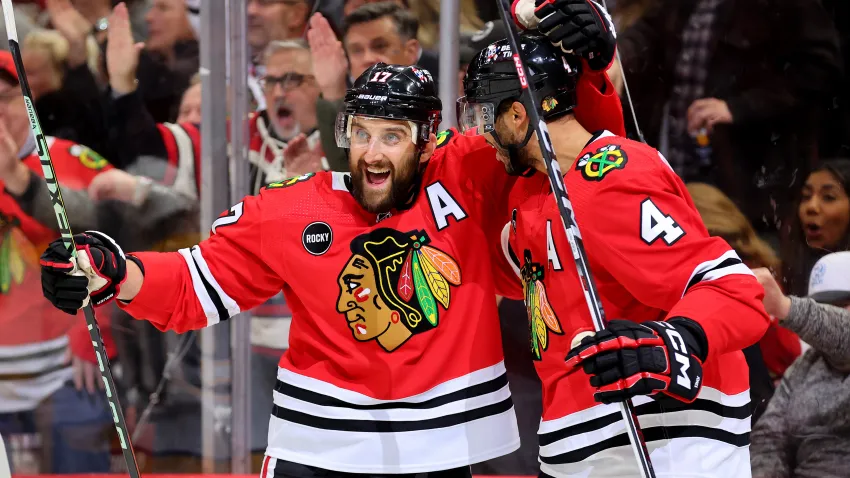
column 68, row 238
column 591, row 294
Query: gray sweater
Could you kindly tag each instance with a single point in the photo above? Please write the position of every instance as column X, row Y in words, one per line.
column 805, row 431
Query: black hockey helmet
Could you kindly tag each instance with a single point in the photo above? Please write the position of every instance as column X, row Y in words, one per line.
column 492, row 79
column 393, row 92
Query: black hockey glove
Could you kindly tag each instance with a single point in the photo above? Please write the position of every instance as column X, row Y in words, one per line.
column 99, row 271
column 579, row 26
column 629, row 358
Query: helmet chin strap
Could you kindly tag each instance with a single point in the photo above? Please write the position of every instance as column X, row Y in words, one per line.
column 513, row 151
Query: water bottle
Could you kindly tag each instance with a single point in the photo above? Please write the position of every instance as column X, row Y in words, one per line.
column 703, row 147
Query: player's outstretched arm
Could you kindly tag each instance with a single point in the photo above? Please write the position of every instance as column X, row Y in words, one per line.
column 184, row 290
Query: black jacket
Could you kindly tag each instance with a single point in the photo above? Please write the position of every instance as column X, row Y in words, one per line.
column 776, row 64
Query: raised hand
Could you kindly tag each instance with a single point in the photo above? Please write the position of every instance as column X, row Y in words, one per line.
column 299, row 158
column 72, row 25
column 330, row 65
column 122, row 53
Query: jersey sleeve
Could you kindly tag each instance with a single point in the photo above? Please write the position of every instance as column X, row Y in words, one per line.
column 598, row 105
column 227, row 273
column 651, row 240
column 506, row 273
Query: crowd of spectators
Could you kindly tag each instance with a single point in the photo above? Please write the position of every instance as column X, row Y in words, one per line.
column 746, row 98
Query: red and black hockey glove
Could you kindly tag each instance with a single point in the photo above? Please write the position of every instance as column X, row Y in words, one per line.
column 578, row 26
column 98, row 273
column 629, row 358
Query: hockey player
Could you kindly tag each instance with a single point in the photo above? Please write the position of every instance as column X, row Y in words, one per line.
column 395, row 363
column 683, row 302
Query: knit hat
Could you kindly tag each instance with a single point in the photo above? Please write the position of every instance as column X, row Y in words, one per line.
column 830, row 279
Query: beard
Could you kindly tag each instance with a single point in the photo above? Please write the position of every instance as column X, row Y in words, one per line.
column 517, row 164
column 401, row 181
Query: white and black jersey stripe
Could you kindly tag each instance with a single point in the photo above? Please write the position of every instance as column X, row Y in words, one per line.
column 29, row 373
column 459, row 422
column 714, row 430
column 217, row 305
column 727, row 264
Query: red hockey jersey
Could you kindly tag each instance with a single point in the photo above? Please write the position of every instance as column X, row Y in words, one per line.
column 34, row 342
column 651, row 258
column 394, row 362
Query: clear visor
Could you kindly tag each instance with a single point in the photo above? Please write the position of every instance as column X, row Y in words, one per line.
column 479, row 118
column 356, row 130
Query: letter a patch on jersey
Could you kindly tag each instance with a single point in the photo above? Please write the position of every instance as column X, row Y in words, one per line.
column 541, row 316
column 594, row 167
column 390, row 288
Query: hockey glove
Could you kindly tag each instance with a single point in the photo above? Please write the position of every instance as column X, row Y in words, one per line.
column 629, row 358
column 97, row 273
column 581, row 27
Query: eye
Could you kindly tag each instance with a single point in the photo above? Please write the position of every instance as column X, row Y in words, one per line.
column 360, row 134
column 352, row 285
column 392, row 138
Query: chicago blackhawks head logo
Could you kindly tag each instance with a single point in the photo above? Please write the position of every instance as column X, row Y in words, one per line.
column 541, row 317
column 594, row 167
column 16, row 253
column 390, row 287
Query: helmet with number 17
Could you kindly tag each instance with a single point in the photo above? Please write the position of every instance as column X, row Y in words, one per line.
column 392, row 92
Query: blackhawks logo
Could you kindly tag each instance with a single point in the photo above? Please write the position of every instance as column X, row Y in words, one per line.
column 594, row 167
column 88, row 157
column 290, row 181
column 391, row 286
column 541, row 317
column 16, row 253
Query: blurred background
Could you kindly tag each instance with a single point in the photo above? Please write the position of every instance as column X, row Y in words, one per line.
column 163, row 113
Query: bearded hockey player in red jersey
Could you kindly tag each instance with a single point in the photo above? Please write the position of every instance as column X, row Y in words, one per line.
column 684, row 302
column 395, row 363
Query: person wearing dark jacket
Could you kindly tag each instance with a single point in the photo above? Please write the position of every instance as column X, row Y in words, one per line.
column 729, row 90
column 373, row 32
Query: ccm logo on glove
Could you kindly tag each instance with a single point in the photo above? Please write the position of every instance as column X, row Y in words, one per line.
column 628, row 359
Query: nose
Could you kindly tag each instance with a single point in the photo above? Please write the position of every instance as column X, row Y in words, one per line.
column 812, row 207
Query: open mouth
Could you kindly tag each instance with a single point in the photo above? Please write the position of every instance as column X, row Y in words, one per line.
column 376, row 176
column 283, row 113
column 812, row 230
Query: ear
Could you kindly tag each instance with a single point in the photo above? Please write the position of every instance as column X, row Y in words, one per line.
column 429, row 148
column 517, row 115
column 411, row 49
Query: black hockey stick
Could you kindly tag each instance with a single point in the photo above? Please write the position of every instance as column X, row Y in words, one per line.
column 591, row 295
column 68, row 237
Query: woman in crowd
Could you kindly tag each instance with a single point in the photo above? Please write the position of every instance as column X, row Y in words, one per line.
column 821, row 224
column 779, row 347
column 805, row 431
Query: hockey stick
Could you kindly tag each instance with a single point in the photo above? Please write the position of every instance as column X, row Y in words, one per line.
column 68, row 237
column 556, row 181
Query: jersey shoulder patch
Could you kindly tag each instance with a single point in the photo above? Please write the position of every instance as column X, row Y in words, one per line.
column 444, row 137
column 290, row 181
column 597, row 163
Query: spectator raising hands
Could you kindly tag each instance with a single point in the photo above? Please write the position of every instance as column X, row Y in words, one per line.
column 68, row 21
column 122, row 52
column 331, row 70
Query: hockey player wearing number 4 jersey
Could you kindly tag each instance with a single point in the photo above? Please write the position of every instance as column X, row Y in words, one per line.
column 686, row 305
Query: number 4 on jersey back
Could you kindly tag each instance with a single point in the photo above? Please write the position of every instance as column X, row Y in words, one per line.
column 655, row 224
